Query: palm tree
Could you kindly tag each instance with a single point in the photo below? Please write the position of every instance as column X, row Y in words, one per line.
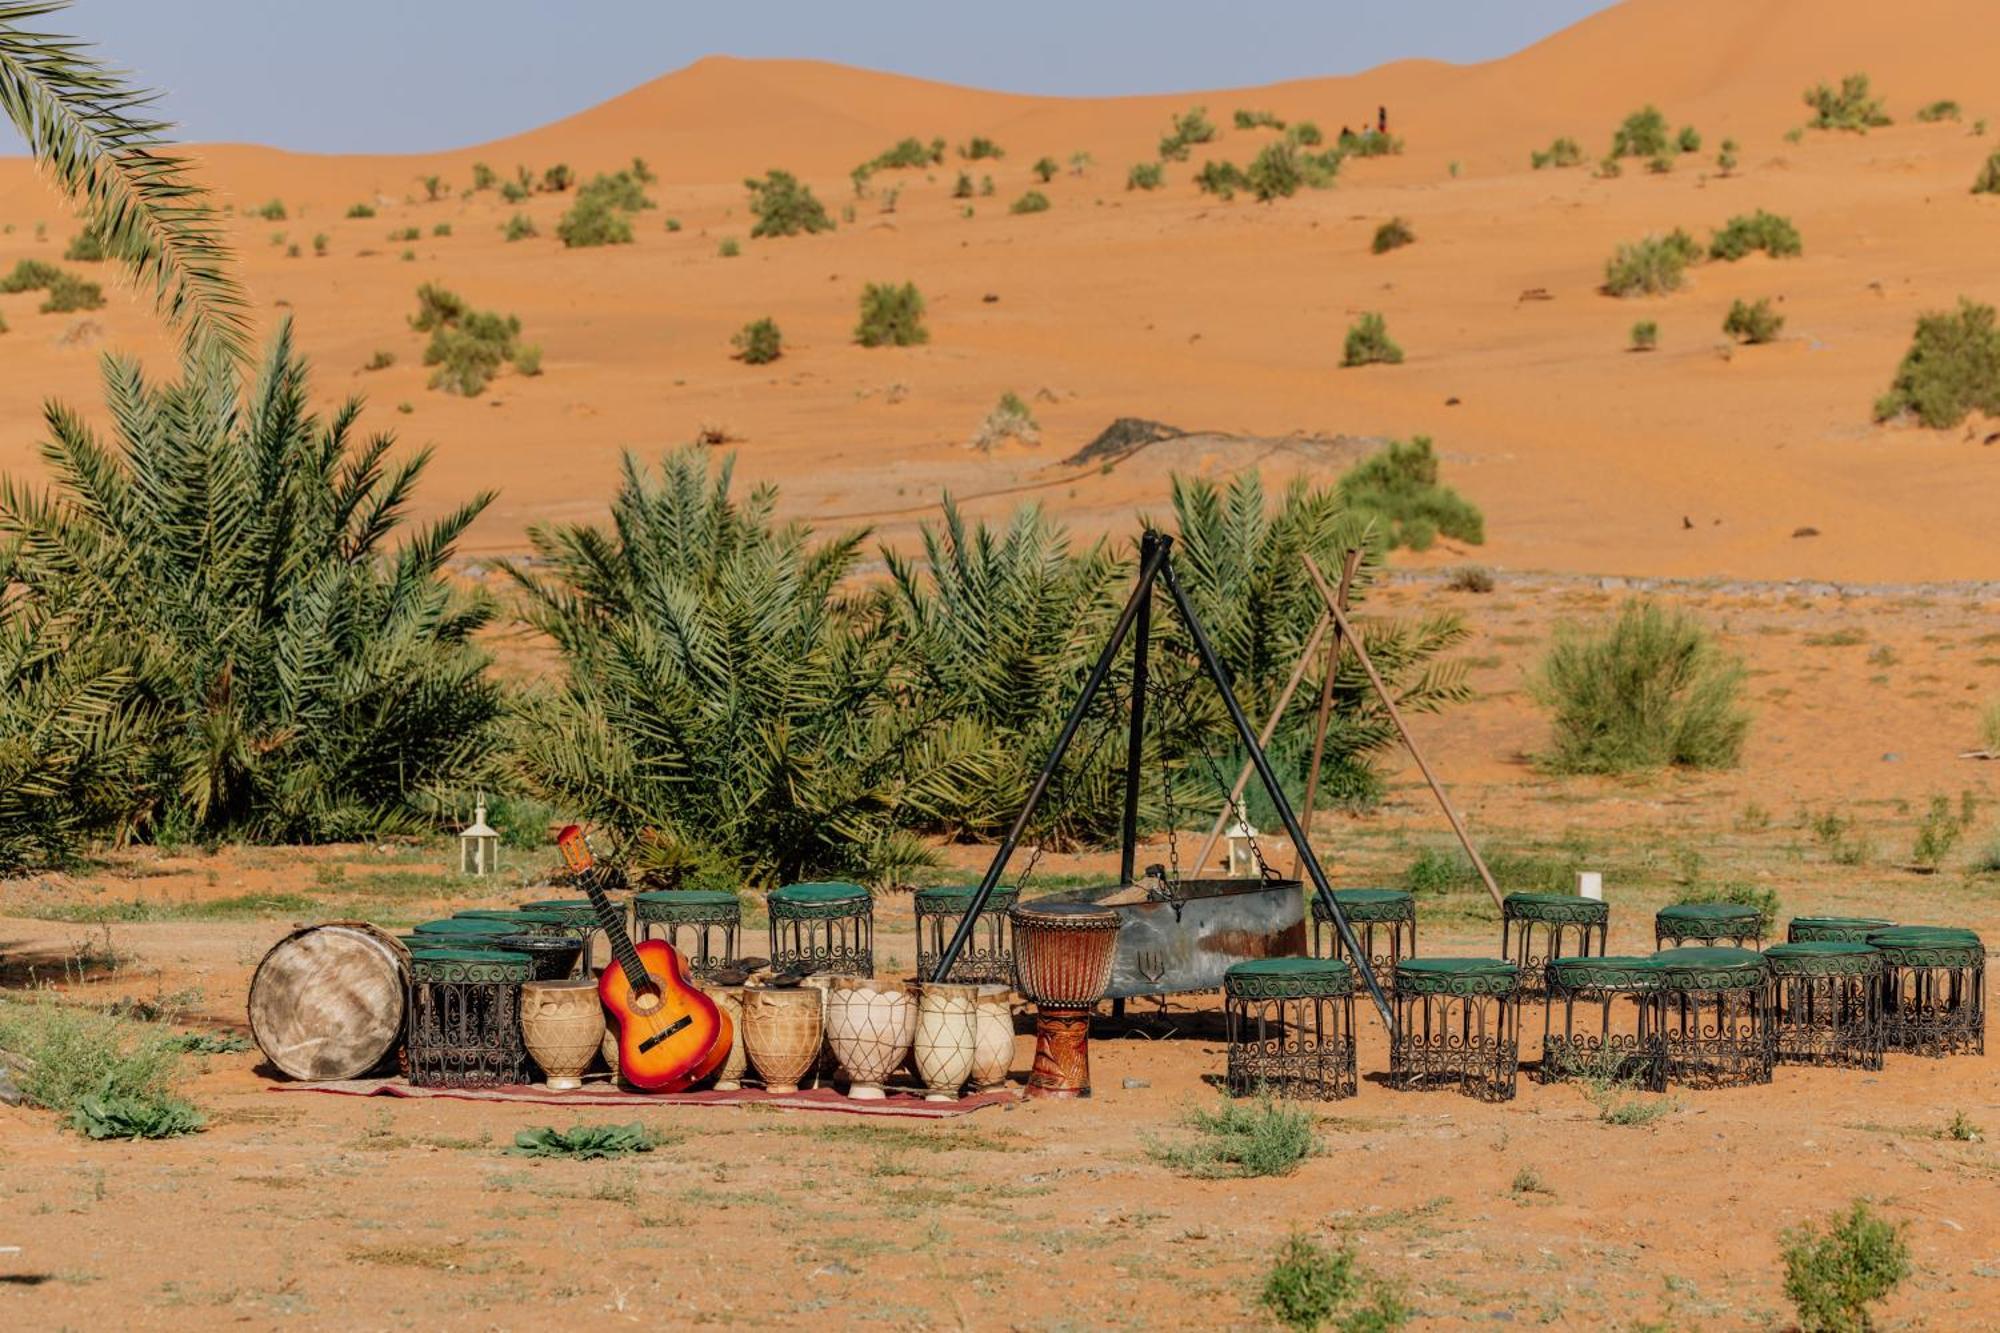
column 93, row 133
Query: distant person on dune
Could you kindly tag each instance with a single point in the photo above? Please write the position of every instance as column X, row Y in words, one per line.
column 1381, row 120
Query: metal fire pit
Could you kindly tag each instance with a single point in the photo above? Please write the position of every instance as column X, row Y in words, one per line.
column 1186, row 942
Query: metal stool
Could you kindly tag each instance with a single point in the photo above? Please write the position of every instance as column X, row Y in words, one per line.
column 1457, row 1022
column 1933, row 990
column 1828, row 999
column 1608, row 1044
column 988, row 955
column 1717, row 1016
column 1835, row 929
column 1535, row 926
column 1291, row 1027
column 463, row 1023
column 1708, row 923
column 1392, row 912
column 822, row 927
column 700, row 924
column 579, row 915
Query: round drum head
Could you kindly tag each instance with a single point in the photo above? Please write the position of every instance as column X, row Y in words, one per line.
column 327, row 1001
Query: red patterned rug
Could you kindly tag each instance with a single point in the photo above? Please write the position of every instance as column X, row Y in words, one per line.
column 600, row 1091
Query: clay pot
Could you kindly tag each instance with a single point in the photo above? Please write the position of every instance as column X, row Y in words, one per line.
column 729, row 999
column 870, row 1025
column 562, row 1025
column 946, row 1040
column 992, row 1037
column 823, row 1068
column 782, row 1034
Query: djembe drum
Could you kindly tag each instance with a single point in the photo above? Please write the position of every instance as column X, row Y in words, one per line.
column 1062, row 959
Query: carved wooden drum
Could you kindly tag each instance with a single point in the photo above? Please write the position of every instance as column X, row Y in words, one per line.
column 1063, row 954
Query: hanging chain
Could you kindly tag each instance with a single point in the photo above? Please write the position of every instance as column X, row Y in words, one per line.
column 1233, row 810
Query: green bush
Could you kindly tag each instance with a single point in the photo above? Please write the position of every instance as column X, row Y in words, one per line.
column 519, row 227
column 1564, row 152
column 673, row 224
column 31, row 275
column 1242, row 1139
column 1951, row 370
column 1145, row 176
column 86, row 247
column 979, row 149
column 891, row 316
column 1725, row 161
column 1774, row 235
column 1645, row 336
column 1371, row 143
column 1392, row 235
column 1189, row 128
column 407, row 234
column 1397, row 489
column 905, row 153
column 585, row 1142
column 1646, row 689
column 441, row 229
column 272, row 211
column 1304, row 134
column 382, row 360
column 1944, row 109
column 758, row 342
column 528, row 359
column 1310, row 1287
column 1608, row 169
column 360, row 211
column 962, row 187
column 556, row 179
column 1753, row 323
column 1368, row 343
column 69, row 293
column 320, row 241
column 1034, row 201
column 514, row 192
column 1938, row 833
column 436, row 307
column 1660, row 163
column 1642, row 134
column 1689, row 140
column 1045, row 169
column 1276, row 172
column 1836, row 1269
column 483, row 177
column 1651, row 266
column 108, row 1076
column 1010, row 419
column 434, row 188
column 1988, row 179
column 1257, row 120
column 1848, row 108
column 467, row 346
column 729, row 248
column 592, row 222
column 1222, row 179
column 784, row 207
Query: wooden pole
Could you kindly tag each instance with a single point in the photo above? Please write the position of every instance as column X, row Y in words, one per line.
column 1374, row 678
column 1348, row 568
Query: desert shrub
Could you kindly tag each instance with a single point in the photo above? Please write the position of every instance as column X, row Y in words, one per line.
column 1725, row 161
column 528, row 359
column 1256, row 120
column 1369, row 344
column 434, row 188
column 441, row 229
column 272, row 211
column 1835, row 1269
column 514, row 192
column 891, row 316
column 905, row 153
column 1371, row 143
column 1189, row 128
column 1650, row 266
column 1241, row 1139
column 962, row 187
column 1145, row 176
column 592, row 222
column 1275, row 172
column 1311, row 1286
column 519, row 227
column 70, row 293
column 483, row 177
column 3, row 324
column 1045, row 169
column 622, row 190
column 86, row 247
column 1564, row 152
column 300, row 663
column 1010, row 419
column 1988, row 179
column 1688, row 140
column 1392, row 235
column 320, row 242
column 759, row 342
column 1645, row 336
column 556, row 179
column 406, row 234
column 1660, row 163
column 1470, row 578
column 1222, row 179
column 784, row 207
column 108, row 1076
column 467, row 346
column 673, row 224
column 1755, row 322
column 1774, row 235
column 1848, row 108
column 360, row 211
column 1397, row 489
column 1034, row 201
column 1938, row 832
column 585, row 1142
column 1989, row 727
column 1608, row 169
column 436, row 307
column 980, row 148
column 382, row 360
column 1641, row 134
column 1646, row 689
column 30, row 275
column 1951, row 369
column 1943, row 109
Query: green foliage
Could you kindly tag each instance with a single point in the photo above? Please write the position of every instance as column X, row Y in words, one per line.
column 591, row 222
column 1145, row 176
column 1433, row 871
column 905, row 153
column 784, row 207
column 320, row 242
column 1660, row 163
column 1392, row 235
column 1744, row 233
column 483, row 177
column 1688, row 140
column 585, row 1142
column 1222, row 179
column 528, row 359
column 1368, row 343
column 1304, row 134
column 1398, row 490
column 441, row 229
column 1645, row 336
column 434, row 188
column 758, row 342
column 1642, row 134
column 1045, row 169
column 1564, row 152
column 382, row 360
column 1371, row 143
column 70, row 293
column 1755, row 322
column 86, row 247
column 1848, row 108
column 1255, row 120
column 360, row 211
column 519, row 227
column 621, row 190
column 1647, row 689
column 1241, row 1139
column 1010, row 419
column 1938, row 833
column 1989, row 727
column 272, row 211
column 1943, row 109
column 1650, row 266
column 1837, row 1268
column 514, row 192
column 891, row 316
column 1951, row 369
column 406, row 234
column 1470, row 578
column 30, row 275
column 1034, row 201
column 1608, row 169
column 466, row 354
column 136, row 1118
column 1988, row 179
column 730, row 248
column 1311, row 1286
column 673, row 224
column 962, row 187
column 1189, row 128
column 557, row 179
column 1276, row 172
column 110, row 1077
column 979, row 149
column 1725, row 161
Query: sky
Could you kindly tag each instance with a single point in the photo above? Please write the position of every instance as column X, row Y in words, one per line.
column 425, row 75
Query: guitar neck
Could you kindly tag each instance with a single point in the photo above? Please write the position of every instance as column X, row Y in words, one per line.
column 613, row 922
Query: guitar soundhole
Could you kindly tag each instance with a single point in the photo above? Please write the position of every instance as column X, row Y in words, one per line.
column 647, row 1000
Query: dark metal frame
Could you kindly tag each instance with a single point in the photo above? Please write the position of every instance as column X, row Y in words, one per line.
column 1291, row 1042
column 1934, row 999
column 1399, row 932
column 990, row 959
column 1719, row 1033
column 1468, row 1037
column 1829, row 1018
column 463, row 1024
column 824, row 937
column 1155, row 565
column 1579, row 925
column 1604, row 1048
column 701, row 925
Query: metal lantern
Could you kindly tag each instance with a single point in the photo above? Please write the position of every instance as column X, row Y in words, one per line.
column 478, row 846
column 1242, row 850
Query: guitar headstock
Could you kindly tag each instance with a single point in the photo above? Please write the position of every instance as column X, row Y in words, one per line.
column 575, row 849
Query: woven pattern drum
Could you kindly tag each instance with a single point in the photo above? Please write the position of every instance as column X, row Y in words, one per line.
column 1828, row 1001
column 1933, row 990
column 464, row 1024
column 1457, row 1023
column 1611, row 1023
column 1291, row 1027
column 1834, row 929
column 988, row 955
column 1708, row 923
column 1538, row 928
column 822, row 927
column 700, row 924
column 1063, row 953
column 1384, row 922
column 1719, row 1018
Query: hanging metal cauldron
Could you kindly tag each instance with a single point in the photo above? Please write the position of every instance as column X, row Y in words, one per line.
column 1185, row 937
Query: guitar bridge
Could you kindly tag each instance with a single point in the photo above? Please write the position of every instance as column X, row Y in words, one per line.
column 665, row 1032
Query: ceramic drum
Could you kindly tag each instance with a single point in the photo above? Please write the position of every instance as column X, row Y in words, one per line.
column 992, row 1036
column 870, row 1025
column 729, row 999
column 1063, row 955
column 562, row 1023
column 947, row 1038
column 782, row 1034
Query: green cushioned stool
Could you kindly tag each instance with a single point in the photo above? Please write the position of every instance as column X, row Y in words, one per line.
column 1617, row 999
column 822, row 927
column 456, row 932
column 700, row 924
column 580, row 916
column 1291, row 1027
column 1708, row 923
column 462, row 1027
column 1538, row 928
column 1717, row 1017
column 547, row 937
column 1827, row 997
column 1933, row 990
column 1457, row 1022
column 1384, row 922
column 1834, row 929
column 988, row 955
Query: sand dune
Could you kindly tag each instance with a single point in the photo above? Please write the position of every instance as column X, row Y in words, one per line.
column 1172, row 305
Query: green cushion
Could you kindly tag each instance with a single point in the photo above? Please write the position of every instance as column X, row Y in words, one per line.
column 956, row 898
column 1701, row 968
column 1363, row 906
column 1896, row 935
column 1708, row 912
column 518, row 917
column 460, row 926
column 577, row 911
column 1929, row 946
column 476, row 965
column 1823, row 958
column 1288, row 978
column 1555, row 908
column 818, row 891
column 818, row 901
column 1612, row 972
column 1456, row 976
column 1845, row 929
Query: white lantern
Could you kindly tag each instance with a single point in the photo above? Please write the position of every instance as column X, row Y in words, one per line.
column 1242, row 850
column 478, row 845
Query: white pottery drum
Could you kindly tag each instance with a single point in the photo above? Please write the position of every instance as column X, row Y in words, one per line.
column 782, row 1034
column 562, row 1025
column 327, row 1001
column 823, row 1068
column 729, row 999
column 992, row 1037
column 946, row 1040
column 870, row 1025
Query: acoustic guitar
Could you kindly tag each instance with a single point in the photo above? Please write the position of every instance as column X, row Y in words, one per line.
column 670, row 1035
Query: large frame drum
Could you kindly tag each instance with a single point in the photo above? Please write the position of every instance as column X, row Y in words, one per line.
column 327, row 1001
